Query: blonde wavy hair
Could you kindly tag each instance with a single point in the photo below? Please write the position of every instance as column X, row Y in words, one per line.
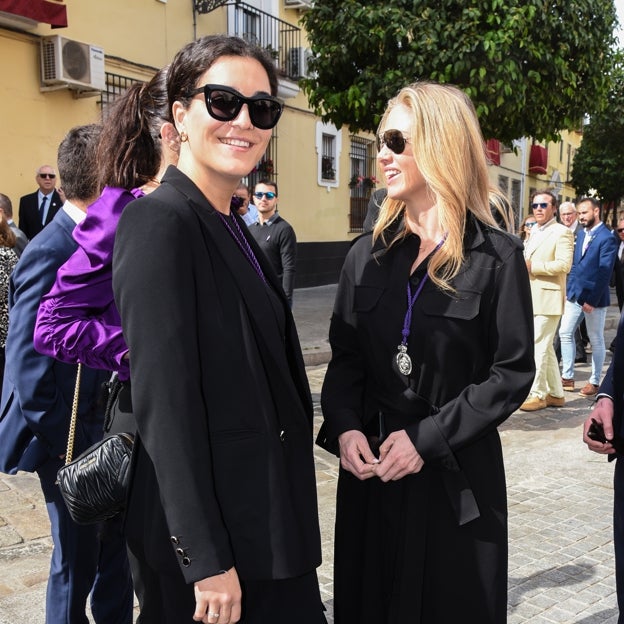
column 449, row 151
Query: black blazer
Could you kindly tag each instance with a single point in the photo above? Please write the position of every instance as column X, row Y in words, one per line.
column 224, row 470
column 29, row 213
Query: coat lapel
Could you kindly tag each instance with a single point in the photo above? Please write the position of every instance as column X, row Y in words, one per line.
column 251, row 287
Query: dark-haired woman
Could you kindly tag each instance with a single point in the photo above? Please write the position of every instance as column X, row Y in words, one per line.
column 78, row 320
column 223, row 500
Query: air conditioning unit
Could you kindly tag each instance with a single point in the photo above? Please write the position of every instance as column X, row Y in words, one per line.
column 297, row 4
column 298, row 62
column 79, row 66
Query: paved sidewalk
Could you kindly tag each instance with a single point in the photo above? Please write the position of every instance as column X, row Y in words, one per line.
column 560, row 504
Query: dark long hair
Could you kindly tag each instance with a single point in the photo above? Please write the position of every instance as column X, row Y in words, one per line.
column 130, row 150
column 198, row 56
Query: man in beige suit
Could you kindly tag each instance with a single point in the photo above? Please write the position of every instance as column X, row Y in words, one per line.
column 548, row 254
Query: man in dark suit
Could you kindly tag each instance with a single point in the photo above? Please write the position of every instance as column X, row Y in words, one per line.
column 37, row 209
column 587, row 294
column 35, row 410
column 609, row 412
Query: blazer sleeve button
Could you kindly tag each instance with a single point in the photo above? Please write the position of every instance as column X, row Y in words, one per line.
column 282, row 436
column 174, row 540
column 186, row 561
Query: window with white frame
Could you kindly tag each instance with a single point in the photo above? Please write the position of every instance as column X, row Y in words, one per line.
column 328, row 147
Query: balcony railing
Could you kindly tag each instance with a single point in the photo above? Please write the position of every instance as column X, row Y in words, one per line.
column 281, row 39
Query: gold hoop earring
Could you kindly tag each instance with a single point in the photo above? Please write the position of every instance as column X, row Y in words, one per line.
column 183, row 137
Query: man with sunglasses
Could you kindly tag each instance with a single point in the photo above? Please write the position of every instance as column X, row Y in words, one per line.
column 275, row 236
column 37, row 209
column 587, row 294
column 548, row 255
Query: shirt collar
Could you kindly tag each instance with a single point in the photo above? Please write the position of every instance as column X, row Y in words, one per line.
column 272, row 219
column 74, row 213
column 593, row 230
column 541, row 228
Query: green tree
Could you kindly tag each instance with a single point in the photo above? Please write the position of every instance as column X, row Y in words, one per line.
column 599, row 161
column 531, row 67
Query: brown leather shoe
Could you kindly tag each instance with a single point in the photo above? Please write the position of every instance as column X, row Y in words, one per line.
column 532, row 404
column 568, row 384
column 589, row 390
column 553, row 401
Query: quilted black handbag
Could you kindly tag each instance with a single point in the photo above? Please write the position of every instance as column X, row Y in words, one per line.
column 94, row 486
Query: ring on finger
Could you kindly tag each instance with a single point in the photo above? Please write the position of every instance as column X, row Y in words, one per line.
column 211, row 614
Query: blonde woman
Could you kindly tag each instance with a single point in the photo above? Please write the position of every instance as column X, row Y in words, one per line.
column 432, row 343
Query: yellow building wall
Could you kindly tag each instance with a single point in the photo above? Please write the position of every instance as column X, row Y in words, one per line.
column 33, row 123
column 317, row 213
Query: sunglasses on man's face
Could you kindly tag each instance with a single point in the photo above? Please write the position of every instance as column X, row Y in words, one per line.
column 542, row 205
column 393, row 140
column 268, row 195
column 224, row 104
column 49, row 176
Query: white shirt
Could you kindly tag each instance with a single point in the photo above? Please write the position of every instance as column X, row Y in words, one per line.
column 589, row 235
column 75, row 214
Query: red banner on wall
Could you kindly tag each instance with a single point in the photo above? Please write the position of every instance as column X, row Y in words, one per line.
column 53, row 13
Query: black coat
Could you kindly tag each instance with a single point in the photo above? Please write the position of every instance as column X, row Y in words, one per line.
column 473, row 365
column 29, row 221
column 224, row 468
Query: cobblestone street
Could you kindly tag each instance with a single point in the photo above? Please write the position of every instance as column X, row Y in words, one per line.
column 560, row 508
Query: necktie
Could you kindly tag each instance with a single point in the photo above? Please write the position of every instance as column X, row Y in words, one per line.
column 42, row 209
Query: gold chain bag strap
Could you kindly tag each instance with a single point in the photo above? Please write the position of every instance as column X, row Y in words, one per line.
column 95, row 485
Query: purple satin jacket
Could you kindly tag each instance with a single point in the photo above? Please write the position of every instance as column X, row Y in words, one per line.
column 78, row 320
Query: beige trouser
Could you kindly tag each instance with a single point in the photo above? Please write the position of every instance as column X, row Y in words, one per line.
column 547, row 376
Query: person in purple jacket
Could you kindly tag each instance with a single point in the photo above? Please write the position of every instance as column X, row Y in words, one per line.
column 78, row 320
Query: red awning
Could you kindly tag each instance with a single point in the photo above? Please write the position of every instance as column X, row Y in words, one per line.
column 53, row 13
column 493, row 149
column 538, row 159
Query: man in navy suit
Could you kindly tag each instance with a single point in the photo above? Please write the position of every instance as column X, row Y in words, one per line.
column 609, row 412
column 36, row 406
column 37, row 209
column 587, row 294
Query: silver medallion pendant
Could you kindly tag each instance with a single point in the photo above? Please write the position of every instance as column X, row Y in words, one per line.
column 404, row 362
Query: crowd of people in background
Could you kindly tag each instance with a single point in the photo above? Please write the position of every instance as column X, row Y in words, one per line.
column 159, row 269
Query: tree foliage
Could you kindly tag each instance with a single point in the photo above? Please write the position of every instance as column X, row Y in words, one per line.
column 599, row 161
column 531, row 67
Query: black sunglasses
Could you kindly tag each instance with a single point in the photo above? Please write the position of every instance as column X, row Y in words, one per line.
column 50, row 176
column 260, row 195
column 224, row 104
column 542, row 205
column 620, row 230
column 393, row 140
